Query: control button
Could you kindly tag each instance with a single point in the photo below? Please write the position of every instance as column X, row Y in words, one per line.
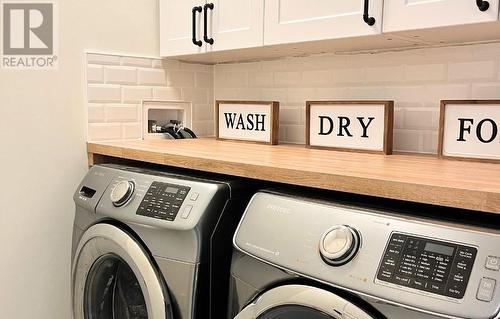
column 486, row 289
column 493, row 263
column 121, row 193
column 435, row 288
column 194, row 196
column 338, row 245
column 187, row 211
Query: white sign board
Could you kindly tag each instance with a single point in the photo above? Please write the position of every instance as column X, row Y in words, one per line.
column 470, row 129
column 350, row 125
column 247, row 121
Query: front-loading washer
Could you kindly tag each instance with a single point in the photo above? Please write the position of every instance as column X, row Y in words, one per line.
column 152, row 244
column 298, row 258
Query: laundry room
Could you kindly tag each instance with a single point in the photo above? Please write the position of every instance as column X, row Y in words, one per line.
column 250, row 159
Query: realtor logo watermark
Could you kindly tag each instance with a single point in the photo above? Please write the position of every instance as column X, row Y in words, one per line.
column 29, row 37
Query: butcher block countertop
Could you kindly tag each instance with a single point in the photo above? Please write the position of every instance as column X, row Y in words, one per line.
column 423, row 179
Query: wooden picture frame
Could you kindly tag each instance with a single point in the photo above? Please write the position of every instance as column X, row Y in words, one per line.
column 388, row 122
column 442, row 126
column 273, row 113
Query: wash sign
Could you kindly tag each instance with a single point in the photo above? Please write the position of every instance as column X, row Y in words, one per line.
column 247, row 121
column 29, row 35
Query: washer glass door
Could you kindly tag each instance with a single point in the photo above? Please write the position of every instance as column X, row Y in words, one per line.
column 113, row 291
column 114, row 278
column 294, row 312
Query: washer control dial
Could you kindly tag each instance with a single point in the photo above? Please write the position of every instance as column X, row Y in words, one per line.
column 339, row 245
column 122, row 192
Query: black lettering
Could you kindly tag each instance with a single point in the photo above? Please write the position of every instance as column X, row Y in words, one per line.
column 479, row 130
column 250, row 124
column 230, row 117
column 464, row 129
column 260, row 122
column 322, row 126
column 365, row 126
column 241, row 123
column 344, row 122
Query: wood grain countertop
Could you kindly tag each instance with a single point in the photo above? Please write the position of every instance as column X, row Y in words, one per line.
column 423, row 179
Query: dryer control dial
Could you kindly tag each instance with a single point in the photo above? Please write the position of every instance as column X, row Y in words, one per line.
column 339, row 245
column 122, row 192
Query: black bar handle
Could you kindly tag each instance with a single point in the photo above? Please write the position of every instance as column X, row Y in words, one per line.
column 206, row 7
column 195, row 41
column 366, row 15
column 482, row 5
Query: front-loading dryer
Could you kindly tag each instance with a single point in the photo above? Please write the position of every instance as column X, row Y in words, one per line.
column 151, row 244
column 298, row 258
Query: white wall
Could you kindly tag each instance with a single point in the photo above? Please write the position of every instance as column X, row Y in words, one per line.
column 416, row 80
column 42, row 134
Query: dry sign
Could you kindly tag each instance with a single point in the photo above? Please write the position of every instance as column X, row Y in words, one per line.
column 251, row 121
column 470, row 130
column 364, row 126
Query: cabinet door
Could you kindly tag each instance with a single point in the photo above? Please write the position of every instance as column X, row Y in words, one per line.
column 236, row 24
column 288, row 21
column 176, row 27
column 400, row 15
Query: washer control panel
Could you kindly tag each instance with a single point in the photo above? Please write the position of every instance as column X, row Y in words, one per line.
column 163, row 201
column 429, row 265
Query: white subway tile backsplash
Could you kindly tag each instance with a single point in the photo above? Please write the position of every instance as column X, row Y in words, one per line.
column 317, row 78
column 167, row 94
column 417, row 80
column 180, row 78
column 430, row 142
column 203, row 112
column 103, row 59
column 349, row 76
column 120, row 75
column 486, row 91
column 407, row 140
column 287, row 79
column 260, row 79
column 137, row 61
column 421, row 118
column 96, row 113
column 152, row 77
column 136, row 94
column 122, row 113
column 425, row 72
column 291, row 115
column 204, row 80
column 104, row 131
column 195, row 95
column 385, row 74
column 472, row 70
column 132, row 130
column 103, row 93
column 114, row 108
column 95, row 74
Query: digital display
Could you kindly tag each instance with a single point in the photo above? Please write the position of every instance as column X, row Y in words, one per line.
column 439, row 249
column 171, row 190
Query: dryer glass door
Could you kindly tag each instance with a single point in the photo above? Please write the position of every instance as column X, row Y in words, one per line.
column 294, row 312
column 299, row 302
column 115, row 278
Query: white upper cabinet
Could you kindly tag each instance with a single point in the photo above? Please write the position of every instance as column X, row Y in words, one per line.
column 177, row 28
column 401, row 15
column 235, row 24
column 288, row 21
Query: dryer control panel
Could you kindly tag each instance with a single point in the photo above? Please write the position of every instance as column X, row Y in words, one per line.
column 429, row 265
